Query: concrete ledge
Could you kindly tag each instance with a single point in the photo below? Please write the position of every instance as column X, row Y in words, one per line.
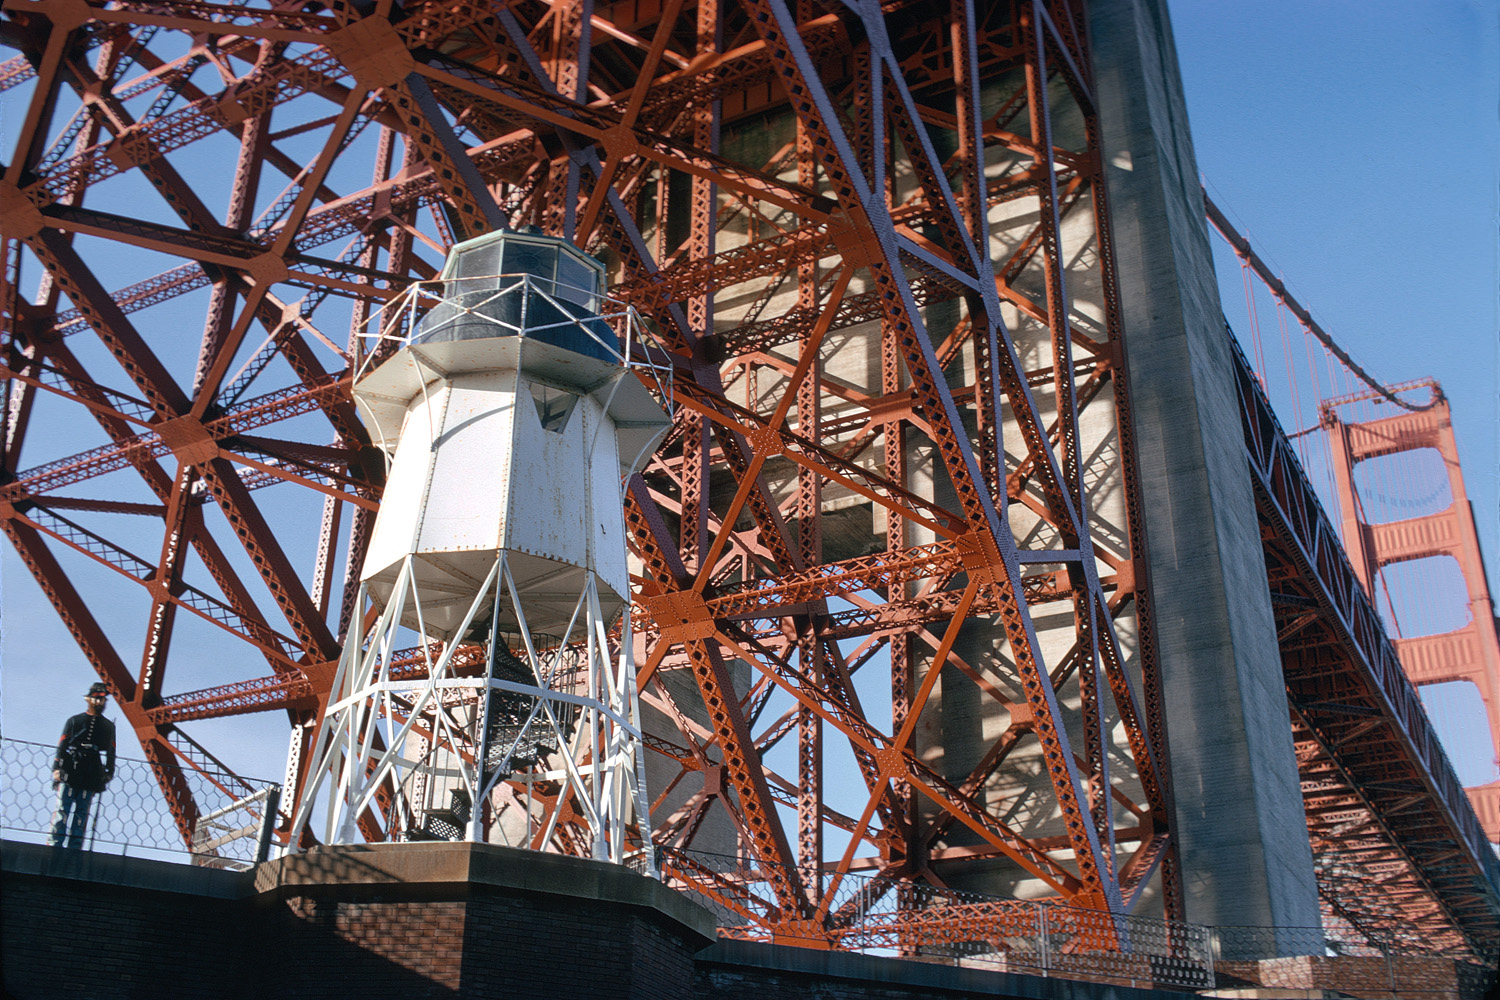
column 412, row 866
column 118, row 870
column 417, row 869
column 923, row 977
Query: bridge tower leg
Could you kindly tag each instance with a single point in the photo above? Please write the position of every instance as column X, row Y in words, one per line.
column 1239, row 811
column 1470, row 653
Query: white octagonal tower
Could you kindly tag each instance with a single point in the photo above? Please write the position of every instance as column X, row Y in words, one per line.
column 498, row 670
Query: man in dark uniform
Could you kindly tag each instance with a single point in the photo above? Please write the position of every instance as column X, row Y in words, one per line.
column 78, row 771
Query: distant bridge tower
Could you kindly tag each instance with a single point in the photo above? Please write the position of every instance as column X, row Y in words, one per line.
column 1469, row 653
column 509, row 416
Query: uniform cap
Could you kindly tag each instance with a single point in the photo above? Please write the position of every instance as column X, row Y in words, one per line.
column 98, row 688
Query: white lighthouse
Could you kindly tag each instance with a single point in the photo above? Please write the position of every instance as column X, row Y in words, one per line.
column 493, row 698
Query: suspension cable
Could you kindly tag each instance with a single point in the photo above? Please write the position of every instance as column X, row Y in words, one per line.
column 1248, row 256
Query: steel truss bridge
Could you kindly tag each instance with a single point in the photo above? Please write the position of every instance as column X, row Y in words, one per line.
column 892, row 586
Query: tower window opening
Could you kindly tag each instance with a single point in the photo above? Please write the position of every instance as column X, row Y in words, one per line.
column 553, row 406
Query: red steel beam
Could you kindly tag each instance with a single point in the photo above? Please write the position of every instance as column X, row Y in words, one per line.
column 623, row 130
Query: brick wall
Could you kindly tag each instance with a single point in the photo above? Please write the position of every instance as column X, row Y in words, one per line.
column 370, row 948
column 66, row 938
column 417, row 922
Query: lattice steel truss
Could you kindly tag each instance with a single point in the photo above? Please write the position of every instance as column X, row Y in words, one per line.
column 891, row 608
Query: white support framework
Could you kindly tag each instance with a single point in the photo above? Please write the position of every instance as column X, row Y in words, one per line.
column 556, row 763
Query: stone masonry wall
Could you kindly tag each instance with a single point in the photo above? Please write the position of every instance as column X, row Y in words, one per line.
column 417, row 922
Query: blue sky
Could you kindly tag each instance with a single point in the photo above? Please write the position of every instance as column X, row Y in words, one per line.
column 1357, row 145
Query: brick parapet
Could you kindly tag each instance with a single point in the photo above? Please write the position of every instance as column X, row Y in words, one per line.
column 416, row 922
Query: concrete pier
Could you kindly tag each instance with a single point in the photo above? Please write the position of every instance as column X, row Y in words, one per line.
column 1239, row 821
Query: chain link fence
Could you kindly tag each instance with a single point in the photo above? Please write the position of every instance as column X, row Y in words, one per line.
column 867, row 914
column 875, row 916
column 131, row 815
column 856, row 912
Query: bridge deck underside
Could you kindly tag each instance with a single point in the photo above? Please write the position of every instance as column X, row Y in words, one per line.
column 1398, row 850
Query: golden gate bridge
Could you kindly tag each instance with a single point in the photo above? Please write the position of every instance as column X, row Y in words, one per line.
column 898, row 593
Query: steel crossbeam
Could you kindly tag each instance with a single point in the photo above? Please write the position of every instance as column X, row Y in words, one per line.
column 891, row 608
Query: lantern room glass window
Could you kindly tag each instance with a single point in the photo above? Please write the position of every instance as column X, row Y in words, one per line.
column 563, row 270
